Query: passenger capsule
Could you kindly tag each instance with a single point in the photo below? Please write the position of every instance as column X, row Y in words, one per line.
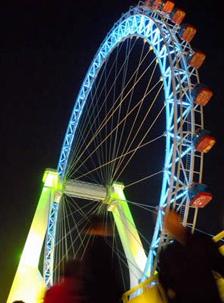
column 201, row 94
column 196, row 60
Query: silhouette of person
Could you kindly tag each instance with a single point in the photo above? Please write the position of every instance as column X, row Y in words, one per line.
column 102, row 281
column 69, row 288
column 186, row 266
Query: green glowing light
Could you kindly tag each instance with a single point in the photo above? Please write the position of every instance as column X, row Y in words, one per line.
column 28, row 284
column 51, row 179
column 128, row 233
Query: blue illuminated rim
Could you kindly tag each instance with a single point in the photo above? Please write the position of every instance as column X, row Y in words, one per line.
column 160, row 35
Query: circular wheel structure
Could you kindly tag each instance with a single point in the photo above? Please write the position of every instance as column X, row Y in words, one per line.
column 134, row 121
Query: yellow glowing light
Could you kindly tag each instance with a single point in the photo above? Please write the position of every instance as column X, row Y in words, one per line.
column 128, row 233
column 51, row 178
column 28, row 284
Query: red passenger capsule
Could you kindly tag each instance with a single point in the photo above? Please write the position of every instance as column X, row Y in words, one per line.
column 197, row 59
column 201, row 199
column 205, row 144
column 154, row 4
column 168, row 6
column 178, row 15
column 201, row 94
column 188, row 32
column 157, row 4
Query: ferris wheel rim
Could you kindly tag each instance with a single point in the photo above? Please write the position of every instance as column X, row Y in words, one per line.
column 83, row 94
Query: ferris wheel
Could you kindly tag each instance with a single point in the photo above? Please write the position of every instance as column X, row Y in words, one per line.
column 135, row 141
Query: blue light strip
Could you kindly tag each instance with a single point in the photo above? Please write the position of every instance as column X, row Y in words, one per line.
column 50, row 243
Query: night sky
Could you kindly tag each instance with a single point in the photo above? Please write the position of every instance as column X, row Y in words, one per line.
column 46, row 49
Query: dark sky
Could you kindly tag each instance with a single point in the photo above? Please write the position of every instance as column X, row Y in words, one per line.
column 45, row 50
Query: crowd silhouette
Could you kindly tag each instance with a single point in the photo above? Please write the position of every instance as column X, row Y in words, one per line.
column 188, row 264
column 95, row 278
column 187, row 267
column 70, row 288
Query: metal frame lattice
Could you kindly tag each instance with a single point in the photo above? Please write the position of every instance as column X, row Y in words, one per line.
column 49, row 245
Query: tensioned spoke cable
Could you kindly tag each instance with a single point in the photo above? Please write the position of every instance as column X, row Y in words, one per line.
column 72, row 229
column 141, row 205
column 82, row 247
column 112, row 162
column 121, row 97
column 62, row 256
column 84, row 250
column 206, row 233
column 111, row 87
column 85, row 218
column 128, row 107
column 136, row 133
column 119, row 260
column 121, row 156
column 60, row 246
column 80, row 209
column 61, row 260
column 62, row 243
column 149, row 129
column 106, row 130
column 109, row 115
column 124, row 75
column 66, row 239
column 75, row 209
column 57, row 248
column 100, row 153
column 90, row 110
column 143, row 120
column 69, row 226
column 84, row 168
column 136, row 117
column 119, row 253
column 113, row 233
column 148, row 208
column 120, row 123
column 75, row 223
column 143, row 179
column 122, row 257
column 99, row 157
column 125, row 219
column 113, row 108
column 147, row 113
column 102, row 105
column 93, row 178
column 112, row 119
column 65, row 246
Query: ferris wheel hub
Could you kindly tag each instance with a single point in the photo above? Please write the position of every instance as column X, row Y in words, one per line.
column 85, row 190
